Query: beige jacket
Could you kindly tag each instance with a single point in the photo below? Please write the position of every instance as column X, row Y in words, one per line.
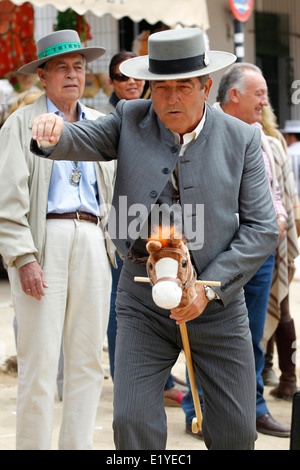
column 24, row 184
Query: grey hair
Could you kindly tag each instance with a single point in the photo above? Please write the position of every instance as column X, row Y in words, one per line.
column 44, row 65
column 203, row 79
column 234, row 78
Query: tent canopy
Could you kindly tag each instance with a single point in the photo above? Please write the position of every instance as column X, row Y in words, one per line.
column 170, row 12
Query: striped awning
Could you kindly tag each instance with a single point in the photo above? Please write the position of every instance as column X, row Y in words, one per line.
column 170, row 12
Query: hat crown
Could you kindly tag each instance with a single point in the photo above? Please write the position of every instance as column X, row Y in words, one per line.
column 292, row 123
column 176, row 44
column 56, row 38
column 176, row 54
column 60, row 42
column 292, row 127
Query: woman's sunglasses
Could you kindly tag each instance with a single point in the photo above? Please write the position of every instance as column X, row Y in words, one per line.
column 119, row 77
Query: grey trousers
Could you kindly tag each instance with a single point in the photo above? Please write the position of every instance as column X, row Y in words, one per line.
column 148, row 345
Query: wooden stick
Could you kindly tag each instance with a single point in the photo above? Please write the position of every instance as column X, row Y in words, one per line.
column 197, row 282
column 197, row 422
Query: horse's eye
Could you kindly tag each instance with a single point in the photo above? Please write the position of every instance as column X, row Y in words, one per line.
column 151, row 266
column 183, row 264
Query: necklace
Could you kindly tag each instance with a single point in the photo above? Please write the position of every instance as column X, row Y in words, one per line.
column 75, row 175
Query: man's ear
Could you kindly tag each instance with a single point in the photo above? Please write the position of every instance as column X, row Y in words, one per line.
column 207, row 88
column 234, row 95
column 42, row 75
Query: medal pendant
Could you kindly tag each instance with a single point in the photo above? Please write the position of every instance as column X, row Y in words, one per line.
column 75, row 177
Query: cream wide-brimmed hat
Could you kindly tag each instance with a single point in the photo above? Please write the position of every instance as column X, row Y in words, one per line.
column 176, row 54
column 60, row 42
column 291, row 127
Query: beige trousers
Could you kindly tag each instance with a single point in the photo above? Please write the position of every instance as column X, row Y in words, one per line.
column 76, row 308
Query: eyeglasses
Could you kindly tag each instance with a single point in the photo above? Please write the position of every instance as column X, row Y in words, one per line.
column 119, row 77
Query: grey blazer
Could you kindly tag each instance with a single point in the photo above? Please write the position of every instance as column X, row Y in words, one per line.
column 222, row 170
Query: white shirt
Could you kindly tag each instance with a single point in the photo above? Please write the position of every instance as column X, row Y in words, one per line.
column 187, row 139
column 190, row 136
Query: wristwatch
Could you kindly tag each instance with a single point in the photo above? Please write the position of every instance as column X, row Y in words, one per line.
column 210, row 293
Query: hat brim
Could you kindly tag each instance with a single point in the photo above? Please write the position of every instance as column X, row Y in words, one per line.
column 138, row 67
column 290, row 130
column 90, row 54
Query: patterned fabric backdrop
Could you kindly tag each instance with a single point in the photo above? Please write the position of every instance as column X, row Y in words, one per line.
column 17, row 46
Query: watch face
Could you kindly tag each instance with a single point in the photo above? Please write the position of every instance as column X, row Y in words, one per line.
column 210, row 294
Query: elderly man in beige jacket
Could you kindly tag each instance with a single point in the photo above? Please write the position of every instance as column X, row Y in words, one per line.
column 53, row 240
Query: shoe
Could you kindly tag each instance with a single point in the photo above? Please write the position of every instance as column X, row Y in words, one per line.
column 173, row 397
column 188, row 430
column 284, row 391
column 266, row 424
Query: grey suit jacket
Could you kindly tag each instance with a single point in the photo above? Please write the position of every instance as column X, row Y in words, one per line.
column 222, row 170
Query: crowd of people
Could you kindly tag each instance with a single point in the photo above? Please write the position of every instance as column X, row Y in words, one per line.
column 71, row 260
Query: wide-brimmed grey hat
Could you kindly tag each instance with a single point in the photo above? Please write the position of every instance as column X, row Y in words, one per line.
column 291, row 127
column 176, row 54
column 60, row 42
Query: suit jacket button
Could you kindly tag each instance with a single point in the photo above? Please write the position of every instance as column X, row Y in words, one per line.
column 165, row 170
column 153, row 194
column 173, row 149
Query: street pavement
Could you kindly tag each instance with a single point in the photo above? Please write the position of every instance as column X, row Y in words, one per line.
column 178, row 440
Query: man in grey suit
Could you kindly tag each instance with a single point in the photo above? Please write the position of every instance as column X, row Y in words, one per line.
column 229, row 222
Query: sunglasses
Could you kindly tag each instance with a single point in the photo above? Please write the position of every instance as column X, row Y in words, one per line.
column 119, row 77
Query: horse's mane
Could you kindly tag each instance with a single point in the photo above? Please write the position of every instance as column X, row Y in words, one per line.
column 165, row 235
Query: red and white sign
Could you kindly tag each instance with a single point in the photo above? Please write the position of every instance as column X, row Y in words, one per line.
column 241, row 9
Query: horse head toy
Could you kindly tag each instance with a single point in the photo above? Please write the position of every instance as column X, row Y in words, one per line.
column 171, row 272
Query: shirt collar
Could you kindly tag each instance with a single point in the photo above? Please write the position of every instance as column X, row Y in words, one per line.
column 187, row 138
column 53, row 109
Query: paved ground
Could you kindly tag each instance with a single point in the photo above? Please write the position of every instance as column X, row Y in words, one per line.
column 103, row 439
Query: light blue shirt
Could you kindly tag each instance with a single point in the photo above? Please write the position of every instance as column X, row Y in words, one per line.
column 65, row 197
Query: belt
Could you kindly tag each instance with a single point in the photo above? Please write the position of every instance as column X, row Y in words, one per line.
column 79, row 215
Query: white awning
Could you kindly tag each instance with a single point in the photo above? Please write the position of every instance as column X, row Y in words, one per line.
column 170, row 12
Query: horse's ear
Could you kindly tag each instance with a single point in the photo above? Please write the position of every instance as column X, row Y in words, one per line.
column 177, row 242
column 182, row 245
column 153, row 246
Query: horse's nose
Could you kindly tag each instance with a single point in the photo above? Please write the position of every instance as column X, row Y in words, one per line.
column 167, row 294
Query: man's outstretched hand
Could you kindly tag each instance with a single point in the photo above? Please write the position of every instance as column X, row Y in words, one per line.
column 47, row 129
